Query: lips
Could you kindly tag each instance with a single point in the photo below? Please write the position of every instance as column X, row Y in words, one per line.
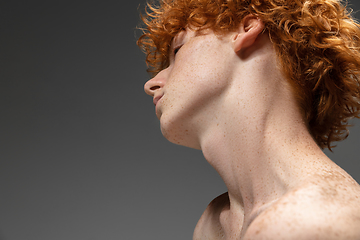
column 156, row 99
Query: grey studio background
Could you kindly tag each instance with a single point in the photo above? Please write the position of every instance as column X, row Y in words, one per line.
column 81, row 153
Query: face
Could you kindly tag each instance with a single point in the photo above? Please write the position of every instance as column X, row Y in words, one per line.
column 189, row 93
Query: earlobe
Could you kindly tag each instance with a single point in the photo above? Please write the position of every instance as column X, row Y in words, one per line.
column 250, row 28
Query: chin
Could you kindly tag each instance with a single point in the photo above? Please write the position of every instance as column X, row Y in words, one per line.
column 179, row 135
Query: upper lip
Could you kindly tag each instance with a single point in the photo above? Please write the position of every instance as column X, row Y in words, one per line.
column 156, row 99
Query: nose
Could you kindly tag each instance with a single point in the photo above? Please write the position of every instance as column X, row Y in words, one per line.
column 154, row 84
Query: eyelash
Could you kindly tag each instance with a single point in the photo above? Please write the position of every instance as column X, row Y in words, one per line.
column 176, row 50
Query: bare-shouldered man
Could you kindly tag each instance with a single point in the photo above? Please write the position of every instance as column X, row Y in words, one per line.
column 326, row 210
column 261, row 87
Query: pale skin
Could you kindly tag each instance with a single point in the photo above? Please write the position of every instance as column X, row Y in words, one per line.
column 227, row 96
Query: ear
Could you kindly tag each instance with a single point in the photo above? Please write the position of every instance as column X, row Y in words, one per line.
column 250, row 28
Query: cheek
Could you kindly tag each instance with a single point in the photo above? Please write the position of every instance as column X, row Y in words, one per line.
column 200, row 70
column 194, row 81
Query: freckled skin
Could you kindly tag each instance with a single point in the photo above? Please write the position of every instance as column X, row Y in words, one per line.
column 193, row 85
column 226, row 96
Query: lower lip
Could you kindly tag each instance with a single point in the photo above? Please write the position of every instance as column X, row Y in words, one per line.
column 157, row 104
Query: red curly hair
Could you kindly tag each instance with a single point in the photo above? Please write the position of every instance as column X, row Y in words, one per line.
column 317, row 43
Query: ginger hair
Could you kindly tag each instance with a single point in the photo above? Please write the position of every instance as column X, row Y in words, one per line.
column 317, row 44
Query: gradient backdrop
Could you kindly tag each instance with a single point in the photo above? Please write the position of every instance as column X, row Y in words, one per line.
column 82, row 157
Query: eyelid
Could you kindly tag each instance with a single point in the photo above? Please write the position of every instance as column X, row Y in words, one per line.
column 176, row 49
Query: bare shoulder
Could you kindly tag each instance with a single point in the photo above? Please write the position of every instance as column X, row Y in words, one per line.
column 209, row 227
column 326, row 208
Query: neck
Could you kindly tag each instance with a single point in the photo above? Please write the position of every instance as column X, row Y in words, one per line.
column 264, row 153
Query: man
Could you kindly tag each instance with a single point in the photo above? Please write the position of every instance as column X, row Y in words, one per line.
column 261, row 86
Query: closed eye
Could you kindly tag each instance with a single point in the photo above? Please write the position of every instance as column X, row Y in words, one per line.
column 176, row 50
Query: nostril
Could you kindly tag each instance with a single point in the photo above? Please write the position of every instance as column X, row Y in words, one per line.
column 154, row 88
